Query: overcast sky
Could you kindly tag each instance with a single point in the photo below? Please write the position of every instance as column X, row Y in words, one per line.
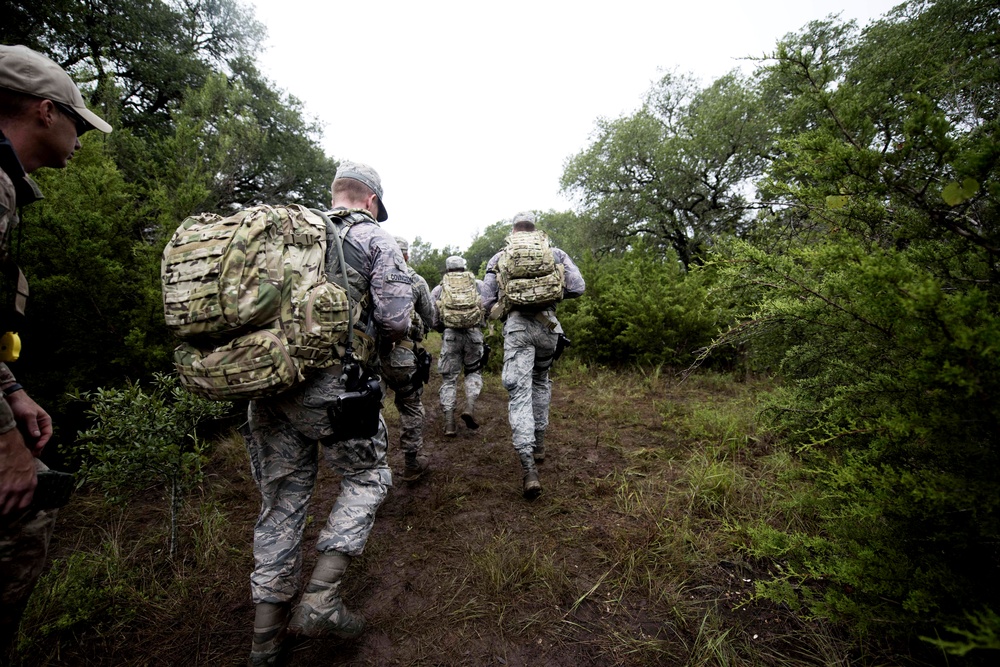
column 469, row 110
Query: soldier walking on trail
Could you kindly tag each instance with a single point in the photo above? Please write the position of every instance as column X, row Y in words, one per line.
column 458, row 315
column 287, row 434
column 407, row 369
column 42, row 115
column 523, row 284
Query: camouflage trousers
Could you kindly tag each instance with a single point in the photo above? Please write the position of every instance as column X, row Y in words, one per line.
column 399, row 371
column 461, row 350
column 24, row 544
column 528, row 348
column 282, row 441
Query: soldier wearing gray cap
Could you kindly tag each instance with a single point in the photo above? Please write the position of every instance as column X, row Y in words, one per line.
column 405, row 371
column 458, row 315
column 42, row 115
column 284, row 431
column 531, row 342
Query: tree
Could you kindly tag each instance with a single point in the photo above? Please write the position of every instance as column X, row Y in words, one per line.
column 136, row 58
column 429, row 262
column 880, row 309
column 675, row 171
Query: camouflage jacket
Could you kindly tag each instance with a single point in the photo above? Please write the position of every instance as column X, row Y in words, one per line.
column 422, row 304
column 16, row 190
column 376, row 272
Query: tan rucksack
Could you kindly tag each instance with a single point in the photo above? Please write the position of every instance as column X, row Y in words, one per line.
column 248, row 294
column 528, row 274
column 460, row 305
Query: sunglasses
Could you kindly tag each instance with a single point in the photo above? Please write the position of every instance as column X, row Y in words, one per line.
column 81, row 125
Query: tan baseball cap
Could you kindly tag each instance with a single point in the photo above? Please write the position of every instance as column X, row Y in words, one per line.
column 363, row 173
column 25, row 71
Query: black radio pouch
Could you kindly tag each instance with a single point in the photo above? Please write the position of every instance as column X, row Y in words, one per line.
column 561, row 346
column 53, row 491
column 355, row 413
column 424, row 359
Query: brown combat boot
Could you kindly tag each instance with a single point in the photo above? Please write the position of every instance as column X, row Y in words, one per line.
column 469, row 415
column 270, row 623
column 449, row 422
column 538, row 451
column 321, row 611
column 532, row 487
column 414, row 467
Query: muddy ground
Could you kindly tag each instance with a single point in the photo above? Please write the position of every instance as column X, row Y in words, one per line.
column 460, row 569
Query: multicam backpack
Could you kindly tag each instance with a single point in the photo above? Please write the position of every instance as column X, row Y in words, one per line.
column 249, row 296
column 528, row 274
column 460, row 305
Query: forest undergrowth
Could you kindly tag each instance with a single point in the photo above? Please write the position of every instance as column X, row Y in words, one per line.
column 635, row 554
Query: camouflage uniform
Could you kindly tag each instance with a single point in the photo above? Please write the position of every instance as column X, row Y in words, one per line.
column 24, row 536
column 461, row 350
column 530, row 340
column 284, row 430
column 400, row 369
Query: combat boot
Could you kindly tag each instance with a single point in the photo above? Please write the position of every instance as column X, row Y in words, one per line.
column 538, row 451
column 321, row 611
column 532, row 487
column 270, row 623
column 449, row 422
column 414, row 467
column 469, row 415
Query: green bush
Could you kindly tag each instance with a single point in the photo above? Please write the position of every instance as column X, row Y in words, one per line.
column 145, row 438
column 892, row 406
column 641, row 307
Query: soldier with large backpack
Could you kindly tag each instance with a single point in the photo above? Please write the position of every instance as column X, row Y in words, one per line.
column 42, row 115
column 458, row 315
column 523, row 284
column 338, row 408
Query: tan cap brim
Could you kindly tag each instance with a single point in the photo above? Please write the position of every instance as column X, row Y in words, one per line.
column 95, row 121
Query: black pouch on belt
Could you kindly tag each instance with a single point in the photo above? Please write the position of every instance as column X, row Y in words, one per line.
column 354, row 414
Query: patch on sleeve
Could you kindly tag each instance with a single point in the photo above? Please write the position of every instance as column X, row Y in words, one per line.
column 398, row 278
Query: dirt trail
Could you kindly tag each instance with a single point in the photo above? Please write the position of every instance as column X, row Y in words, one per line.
column 460, row 569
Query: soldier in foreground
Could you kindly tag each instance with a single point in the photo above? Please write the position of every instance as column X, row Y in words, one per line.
column 523, row 284
column 458, row 315
column 42, row 115
column 285, row 430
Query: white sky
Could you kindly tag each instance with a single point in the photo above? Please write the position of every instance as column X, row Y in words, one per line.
column 469, row 110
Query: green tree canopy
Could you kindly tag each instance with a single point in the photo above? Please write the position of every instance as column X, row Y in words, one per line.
column 676, row 171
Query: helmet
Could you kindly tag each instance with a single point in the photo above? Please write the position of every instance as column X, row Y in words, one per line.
column 455, row 263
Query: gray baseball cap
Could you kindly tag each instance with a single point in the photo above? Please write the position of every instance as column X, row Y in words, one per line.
column 524, row 216
column 365, row 174
column 455, row 263
column 404, row 245
column 25, row 71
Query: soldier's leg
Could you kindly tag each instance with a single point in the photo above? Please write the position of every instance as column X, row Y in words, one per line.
column 365, row 481
column 24, row 544
column 471, row 358
column 399, row 372
column 449, row 366
column 541, row 386
column 283, row 464
column 518, row 361
column 411, row 426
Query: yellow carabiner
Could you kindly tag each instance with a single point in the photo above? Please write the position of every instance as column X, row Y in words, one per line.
column 10, row 346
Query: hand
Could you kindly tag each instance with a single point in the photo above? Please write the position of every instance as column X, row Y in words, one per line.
column 36, row 421
column 17, row 473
